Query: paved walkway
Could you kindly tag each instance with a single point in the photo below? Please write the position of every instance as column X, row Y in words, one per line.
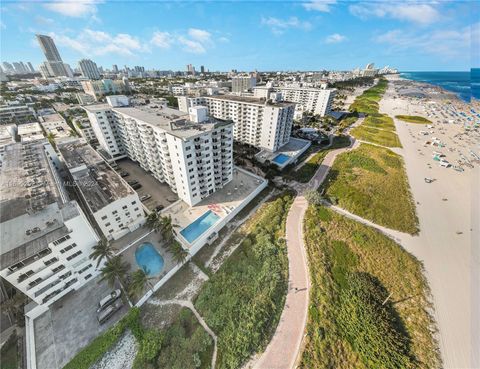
column 284, row 349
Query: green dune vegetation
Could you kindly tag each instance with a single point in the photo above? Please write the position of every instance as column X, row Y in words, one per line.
column 243, row 300
column 413, row 119
column 367, row 102
column 371, row 182
column 369, row 300
column 376, row 136
column 376, row 128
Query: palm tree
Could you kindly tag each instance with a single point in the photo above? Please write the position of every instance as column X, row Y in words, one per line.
column 102, row 250
column 179, row 253
column 166, row 228
column 14, row 307
column 140, row 280
column 153, row 221
column 115, row 269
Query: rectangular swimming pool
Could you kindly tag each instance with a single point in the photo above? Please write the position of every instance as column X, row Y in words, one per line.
column 281, row 159
column 199, row 226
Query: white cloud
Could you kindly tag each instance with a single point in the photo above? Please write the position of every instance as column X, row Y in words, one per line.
column 224, row 39
column 411, row 11
column 74, row 8
column 162, row 39
column 447, row 43
column 43, row 20
column 192, row 46
column 90, row 42
column 320, row 5
column 335, row 38
column 199, row 35
column 278, row 26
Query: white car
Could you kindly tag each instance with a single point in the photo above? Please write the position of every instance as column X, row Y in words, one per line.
column 109, row 299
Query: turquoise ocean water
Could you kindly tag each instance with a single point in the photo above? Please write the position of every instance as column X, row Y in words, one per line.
column 465, row 84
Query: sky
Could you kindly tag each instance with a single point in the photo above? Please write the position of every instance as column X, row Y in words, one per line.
column 410, row 35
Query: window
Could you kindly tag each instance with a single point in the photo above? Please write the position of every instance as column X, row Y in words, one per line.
column 104, row 217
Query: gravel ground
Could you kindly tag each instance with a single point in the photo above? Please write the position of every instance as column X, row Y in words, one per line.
column 121, row 356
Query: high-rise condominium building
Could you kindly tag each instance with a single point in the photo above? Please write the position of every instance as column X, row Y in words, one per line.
column 114, row 68
column 262, row 123
column 243, row 83
column 316, row 100
column 192, row 153
column 54, row 64
column 46, row 238
column 89, row 69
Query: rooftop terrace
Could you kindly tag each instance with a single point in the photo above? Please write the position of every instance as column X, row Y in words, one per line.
column 251, row 100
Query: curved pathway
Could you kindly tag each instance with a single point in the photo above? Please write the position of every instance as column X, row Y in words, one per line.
column 283, row 351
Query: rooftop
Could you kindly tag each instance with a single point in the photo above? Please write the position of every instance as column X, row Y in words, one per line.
column 27, row 183
column 251, row 100
column 173, row 121
column 98, row 182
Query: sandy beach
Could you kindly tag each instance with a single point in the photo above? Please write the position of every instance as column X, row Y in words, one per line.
column 448, row 210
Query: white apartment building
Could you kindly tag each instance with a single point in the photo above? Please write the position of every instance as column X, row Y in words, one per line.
column 30, row 132
column 314, row 100
column 261, row 123
column 105, row 196
column 192, row 153
column 46, row 238
column 89, row 69
column 84, row 128
column 16, row 113
column 106, row 130
column 243, row 83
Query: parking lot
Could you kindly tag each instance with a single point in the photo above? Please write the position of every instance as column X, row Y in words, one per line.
column 70, row 324
column 160, row 193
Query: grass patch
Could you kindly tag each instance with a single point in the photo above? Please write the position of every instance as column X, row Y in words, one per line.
column 413, row 119
column 185, row 345
column 371, row 182
column 243, row 301
column 379, row 121
column 307, row 170
column 9, row 353
column 353, row 270
column 367, row 102
column 376, row 136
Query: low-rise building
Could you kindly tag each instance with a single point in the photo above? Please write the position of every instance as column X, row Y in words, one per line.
column 55, row 124
column 16, row 113
column 30, row 132
column 113, row 206
column 103, row 87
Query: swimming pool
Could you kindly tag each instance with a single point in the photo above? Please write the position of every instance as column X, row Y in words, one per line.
column 199, row 226
column 149, row 259
column 281, row 159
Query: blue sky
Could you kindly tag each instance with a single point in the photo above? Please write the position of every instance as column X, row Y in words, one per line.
column 224, row 35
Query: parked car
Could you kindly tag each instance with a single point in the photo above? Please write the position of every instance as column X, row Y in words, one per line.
column 132, row 182
column 145, row 197
column 106, row 314
column 107, row 300
column 136, row 186
column 124, row 174
column 159, row 208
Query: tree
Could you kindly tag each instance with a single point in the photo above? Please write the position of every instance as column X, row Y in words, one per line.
column 166, row 228
column 179, row 253
column 14, row 307
column 313, row 197
column 140, row 280
column 102, row 250
column 116, row 270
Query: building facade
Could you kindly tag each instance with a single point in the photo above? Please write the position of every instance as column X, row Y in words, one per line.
column 261, row 123
column 46, row 238
column 243, row 83
column 103, row 87
column 192, row 153
column 89, row 69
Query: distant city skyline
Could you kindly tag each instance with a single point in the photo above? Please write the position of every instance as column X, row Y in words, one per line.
column 314, row 35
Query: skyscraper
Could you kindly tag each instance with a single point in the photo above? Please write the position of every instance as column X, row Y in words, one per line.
column 54, row 63
column 89, row 69
column 202, row 69
column 115, row 68
column 30, row 66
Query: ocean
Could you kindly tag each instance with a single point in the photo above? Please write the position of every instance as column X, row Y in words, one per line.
column 464, row 84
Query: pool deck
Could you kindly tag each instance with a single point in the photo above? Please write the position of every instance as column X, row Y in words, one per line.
column 227, row 202
column 128, row 244
column 293, row 149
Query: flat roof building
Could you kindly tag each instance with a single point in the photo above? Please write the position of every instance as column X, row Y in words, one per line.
column 46, row 238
